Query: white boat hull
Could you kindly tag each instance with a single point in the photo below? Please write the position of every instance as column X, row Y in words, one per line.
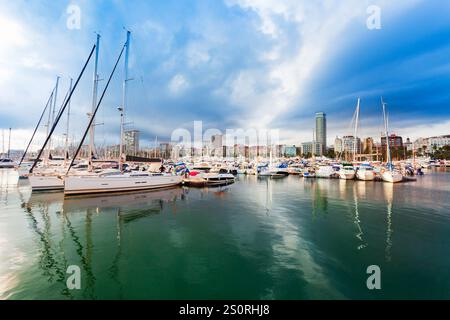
column 365, row 175
column 347, row 175
column 45, row 183
column 120, row 183
column 392, row 176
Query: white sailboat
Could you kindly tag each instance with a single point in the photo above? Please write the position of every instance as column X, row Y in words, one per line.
column 118, row 181
column 6, row 163
column 50, row 176
column 347, row 172
column 391, row 175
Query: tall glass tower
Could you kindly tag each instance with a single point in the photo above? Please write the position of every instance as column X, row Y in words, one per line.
column 321, row 131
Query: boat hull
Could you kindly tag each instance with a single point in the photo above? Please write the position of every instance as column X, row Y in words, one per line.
column 347, row 175
column 392, row 177
column 210, row 180
column 365, row 175
column 89, row 185
column 45, row 183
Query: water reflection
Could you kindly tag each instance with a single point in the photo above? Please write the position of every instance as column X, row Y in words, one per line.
column 56, row 244
column 356, row 220
column 389, row 195
column 48, row 255
column 317, row 234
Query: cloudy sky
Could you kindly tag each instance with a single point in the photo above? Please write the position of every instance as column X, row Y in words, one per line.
column 231, row 64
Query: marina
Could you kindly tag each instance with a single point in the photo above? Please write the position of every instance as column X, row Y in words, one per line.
column 290, row 238
column 231, row 152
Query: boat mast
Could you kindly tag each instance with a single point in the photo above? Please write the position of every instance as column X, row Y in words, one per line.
column 62, row 110
column 388, row 149
column 53, row 114
column 9, row 143
column 96, row 108
column 124, row 100
column 94, row 103
column 48, row 124
column 66, row 147
column 355, row 139
column 36, row 128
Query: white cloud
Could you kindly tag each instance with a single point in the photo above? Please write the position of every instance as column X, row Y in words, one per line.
column 317, row 26
column 178, row 84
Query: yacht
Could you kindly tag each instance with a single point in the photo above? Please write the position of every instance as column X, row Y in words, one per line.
column 365, row 172
column 280, row 170
column 43, row 182
column 308, row 173
column 6, row 163
column 118, row 182
column 391, row 174
column 347, row 172
column 325, row 172
column 204, row 179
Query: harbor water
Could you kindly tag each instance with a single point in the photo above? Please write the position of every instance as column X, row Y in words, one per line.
column 290, row 238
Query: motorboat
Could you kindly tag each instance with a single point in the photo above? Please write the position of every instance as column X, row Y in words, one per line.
column 308, row 173
column 203, row 179
column 6, row 163
column 365, row 172
column 324, row 171
column 347, row 172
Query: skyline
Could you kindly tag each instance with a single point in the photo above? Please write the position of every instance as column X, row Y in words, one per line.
column 291, row 59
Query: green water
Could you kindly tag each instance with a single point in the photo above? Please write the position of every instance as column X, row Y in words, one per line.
column 291, row 238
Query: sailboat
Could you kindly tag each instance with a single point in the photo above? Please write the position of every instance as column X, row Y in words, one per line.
column 347, row 172
column 50, row 176
column 118, row 181
column 6, row 163
column 391, row 175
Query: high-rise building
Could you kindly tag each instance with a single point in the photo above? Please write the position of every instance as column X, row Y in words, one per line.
column 368, row 145
column 321, row 131
column 217, row 145
column 131, row 138
column 394, row 141
column 165, row 150
column 395, row 145
column 338, row 145
column 290, row 151
column 310, row 148
column 348, row 143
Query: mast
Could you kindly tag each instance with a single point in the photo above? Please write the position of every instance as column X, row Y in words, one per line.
column 35, row 129
column 124, row 99
column 355, row 141
column 388, row 149
column 47, row 153
column 62, row 110
column 9, row 143
column 66, row 143
column 94, row 103
column 95, row 111
column 53, row 114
